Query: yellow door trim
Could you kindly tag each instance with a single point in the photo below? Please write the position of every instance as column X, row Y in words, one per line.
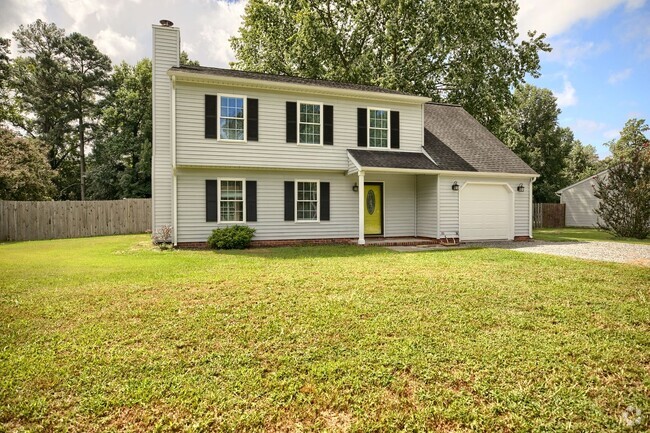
column 373, row 221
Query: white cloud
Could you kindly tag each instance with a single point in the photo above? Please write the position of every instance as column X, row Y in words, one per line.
column 619, row 76
column 553, row 17
column 611, row 134
column 567, row 97
column 80, row 10
column 116, row 45
column 215, row 39
column 569, row 52
column 16, row 12
column 588, row 126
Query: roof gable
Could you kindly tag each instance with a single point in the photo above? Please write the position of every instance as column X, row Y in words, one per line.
column 458, row 142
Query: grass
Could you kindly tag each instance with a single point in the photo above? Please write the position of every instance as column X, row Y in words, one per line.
column 106, row 334
column 582, row 234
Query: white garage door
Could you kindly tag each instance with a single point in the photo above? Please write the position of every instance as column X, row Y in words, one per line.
column 485, row 212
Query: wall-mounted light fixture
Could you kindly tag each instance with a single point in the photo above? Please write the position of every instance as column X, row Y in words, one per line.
column 355, row 187
column 454, row 186
column 520, row 188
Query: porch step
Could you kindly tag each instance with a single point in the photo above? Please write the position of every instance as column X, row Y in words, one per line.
column 399, row 242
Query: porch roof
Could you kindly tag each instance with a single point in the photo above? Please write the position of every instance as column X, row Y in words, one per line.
column 391, row 159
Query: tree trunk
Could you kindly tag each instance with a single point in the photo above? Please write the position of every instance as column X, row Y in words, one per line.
column 82, row 158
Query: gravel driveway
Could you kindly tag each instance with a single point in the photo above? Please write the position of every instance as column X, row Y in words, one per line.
column 603, row 251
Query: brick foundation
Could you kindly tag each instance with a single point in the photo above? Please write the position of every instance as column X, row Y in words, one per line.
column 523, row 238
column 276, row 243
column 302, row 242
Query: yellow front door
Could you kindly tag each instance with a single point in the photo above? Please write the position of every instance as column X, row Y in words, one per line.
column 373, row 209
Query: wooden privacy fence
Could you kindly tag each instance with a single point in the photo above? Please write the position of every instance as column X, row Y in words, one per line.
column 548, row 215
column 33, row 220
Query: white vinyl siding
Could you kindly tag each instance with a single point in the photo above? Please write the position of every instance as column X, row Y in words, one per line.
column 272, row 150
column 270, row 224
column 399, row 203
column 448, row 204
column 427, row 211
column 165, row 55
column 581, row 204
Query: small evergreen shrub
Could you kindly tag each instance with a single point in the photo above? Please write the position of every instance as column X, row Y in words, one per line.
column 231, row 238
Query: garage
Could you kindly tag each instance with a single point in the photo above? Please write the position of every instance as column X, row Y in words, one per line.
column 486, row 212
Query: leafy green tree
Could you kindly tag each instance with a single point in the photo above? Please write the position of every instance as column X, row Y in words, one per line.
column 460, row 51
column 624, row 195
column 532, row 131
column 582, row 162
column 24, row 171
column 625, row 192
column 5, row 68
column 185, row 60
column 632, row 138
column 86, row 78
column 38, row 85
column 121, row 158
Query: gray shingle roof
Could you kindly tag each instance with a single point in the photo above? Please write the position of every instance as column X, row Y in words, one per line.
column 284, row 79
column 456, row 141
column 392, row 159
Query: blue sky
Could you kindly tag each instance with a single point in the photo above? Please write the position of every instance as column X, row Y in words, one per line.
column 600, row 72
column 599, row 68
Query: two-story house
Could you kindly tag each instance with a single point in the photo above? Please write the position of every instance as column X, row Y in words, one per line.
column 303, row 159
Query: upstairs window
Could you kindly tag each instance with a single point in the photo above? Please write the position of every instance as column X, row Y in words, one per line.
column 232, row 118
column 307, row 200
column 378, row 127
column 310, row 123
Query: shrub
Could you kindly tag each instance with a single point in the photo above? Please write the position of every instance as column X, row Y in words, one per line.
column 231, row 238
column 162, row 237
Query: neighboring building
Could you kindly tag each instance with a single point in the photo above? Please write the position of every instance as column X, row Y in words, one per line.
column 581, row 202
column 302, row 159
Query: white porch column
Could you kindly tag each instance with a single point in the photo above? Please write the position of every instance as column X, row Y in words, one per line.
column 362, row 209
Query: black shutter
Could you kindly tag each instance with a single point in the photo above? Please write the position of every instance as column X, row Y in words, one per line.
column 328, row 124
column 292, row 134
column 210, row 200
column 324, row 201
column 362, row 127
column 251, row 200
column 288, row 200
column 394, row 129
column 251, row 113
column 210, row 116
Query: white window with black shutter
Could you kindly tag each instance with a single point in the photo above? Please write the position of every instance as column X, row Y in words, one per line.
column 306, row 200
column 230, row 200
column 378, row 128
column 231, row 118
column 309, row 123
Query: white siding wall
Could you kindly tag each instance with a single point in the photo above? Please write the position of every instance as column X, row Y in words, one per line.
column 580, row 204
column 272, row 150
column 399, row 205
column 165, row 55
column 427, row 206
column 449, row 217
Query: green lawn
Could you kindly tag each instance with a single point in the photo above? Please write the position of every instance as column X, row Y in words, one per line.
column 106, row 334
column 582, row 234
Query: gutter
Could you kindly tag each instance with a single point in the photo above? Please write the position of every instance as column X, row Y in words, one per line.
column 311, row 89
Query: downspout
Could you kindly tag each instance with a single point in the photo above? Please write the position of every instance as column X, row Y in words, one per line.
column 174, row 178
column 416, row 206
